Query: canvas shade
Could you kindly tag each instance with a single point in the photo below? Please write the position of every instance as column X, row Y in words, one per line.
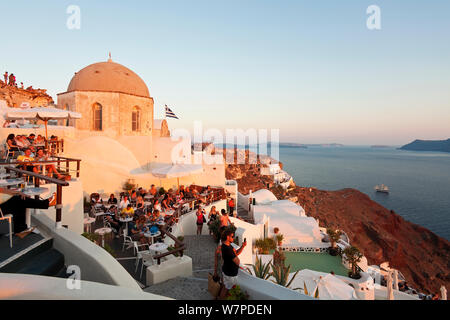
column 177, row 171
column 41, row 113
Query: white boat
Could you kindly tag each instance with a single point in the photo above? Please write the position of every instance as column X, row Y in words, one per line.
column 381, row 188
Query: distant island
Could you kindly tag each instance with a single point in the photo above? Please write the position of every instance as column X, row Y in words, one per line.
column 428, row 145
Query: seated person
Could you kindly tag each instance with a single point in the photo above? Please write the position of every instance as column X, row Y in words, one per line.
column 39, row 140
column 139, row 210
column 31, row 138
column 157, row 217
column 11, row 142
column 113, row 220
column 156, row 205
column 153, row 190
column 112, row 199
column 128, row 211
column 135, row 230
column 188, row 194
column 181, row 190
column 133, row 195
column 49, row 168
column 141, row 192
column 165, row 203
column 124, row 203
column 139, row 200
column 24, row 159
column 16, row 203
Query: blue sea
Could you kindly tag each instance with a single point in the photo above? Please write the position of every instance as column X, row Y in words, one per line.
column 419, row 182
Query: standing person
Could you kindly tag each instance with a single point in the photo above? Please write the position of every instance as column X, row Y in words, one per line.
column 231, row 262
column 200, row 220
column 5, row 76
column 231, row 206
column 224, row 220
column 12, row 79
column 212, row 216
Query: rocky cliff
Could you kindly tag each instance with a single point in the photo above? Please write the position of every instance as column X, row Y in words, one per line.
column 381, row 234
column 14, row 96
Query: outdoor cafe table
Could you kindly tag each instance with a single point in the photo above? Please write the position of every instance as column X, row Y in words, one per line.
column 87, row 222
column 169, row 212
column 148, row 196
column 10, row 182
column 102, row 232
column 34, row 191
column 126, row 220
column 158, row 247
column 152, row 235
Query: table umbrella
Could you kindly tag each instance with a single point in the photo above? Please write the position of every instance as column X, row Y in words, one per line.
column 177, row 171
column 41, row 113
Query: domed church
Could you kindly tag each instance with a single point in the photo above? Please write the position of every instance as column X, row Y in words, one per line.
column 113, row 100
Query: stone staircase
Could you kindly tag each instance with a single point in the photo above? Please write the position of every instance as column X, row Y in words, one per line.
column 39, row 259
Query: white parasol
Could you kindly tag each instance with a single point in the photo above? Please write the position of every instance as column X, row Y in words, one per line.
column 41, row 113
column 177, row 171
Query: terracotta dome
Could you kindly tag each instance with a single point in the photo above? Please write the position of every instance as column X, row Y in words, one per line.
column 108, row 77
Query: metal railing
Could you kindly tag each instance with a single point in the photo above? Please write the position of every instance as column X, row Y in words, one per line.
column 37, row 179
column 179, row 246
column 58, row 161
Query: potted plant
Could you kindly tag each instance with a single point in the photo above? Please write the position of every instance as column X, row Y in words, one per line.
column 265, row 245
column 236, row 293
column 279, row 257
column 334, row 236
column 260, row 269
column 281, row 275
column 353, row 256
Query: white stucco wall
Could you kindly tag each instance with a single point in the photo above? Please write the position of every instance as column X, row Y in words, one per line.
column 32, row 287
column 95, row 263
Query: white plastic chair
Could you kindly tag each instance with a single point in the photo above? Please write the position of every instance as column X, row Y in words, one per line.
column 7, row 217
column 139, row 252
column 127, row 241
column 147, row 260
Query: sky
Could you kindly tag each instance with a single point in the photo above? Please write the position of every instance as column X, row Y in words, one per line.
column 311, row 69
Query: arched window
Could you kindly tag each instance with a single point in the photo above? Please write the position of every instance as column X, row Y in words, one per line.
column 97, row 117
column 136, row 119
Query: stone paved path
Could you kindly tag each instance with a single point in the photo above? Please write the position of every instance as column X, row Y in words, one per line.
column 201, row 250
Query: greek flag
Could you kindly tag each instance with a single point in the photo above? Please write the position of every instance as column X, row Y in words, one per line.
column 169, row 113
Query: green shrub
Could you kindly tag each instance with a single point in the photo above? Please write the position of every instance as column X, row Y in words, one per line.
column 265, row 245
column 236, row 293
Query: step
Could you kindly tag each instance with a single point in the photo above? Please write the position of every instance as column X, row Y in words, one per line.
column 20, row 259
column 47, row 263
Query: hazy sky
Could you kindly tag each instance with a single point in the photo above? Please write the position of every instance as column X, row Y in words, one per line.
column 309, row 68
